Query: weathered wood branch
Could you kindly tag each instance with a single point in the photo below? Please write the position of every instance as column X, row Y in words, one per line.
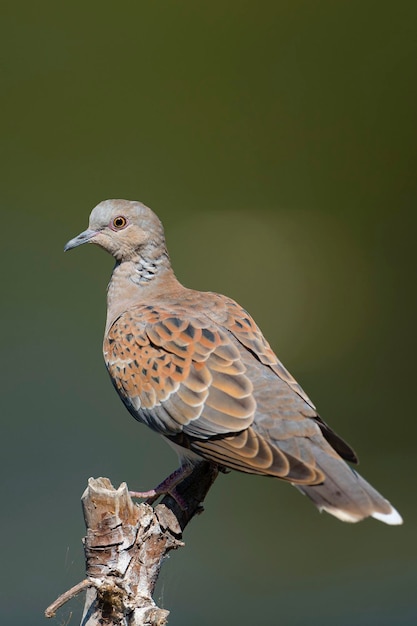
column 125, row 546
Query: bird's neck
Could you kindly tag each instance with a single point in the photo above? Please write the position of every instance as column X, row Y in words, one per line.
column 137, row 281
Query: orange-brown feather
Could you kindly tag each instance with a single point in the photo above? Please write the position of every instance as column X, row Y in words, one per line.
column 211, row 380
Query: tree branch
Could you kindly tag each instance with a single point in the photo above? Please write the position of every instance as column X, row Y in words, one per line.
column 125, row 546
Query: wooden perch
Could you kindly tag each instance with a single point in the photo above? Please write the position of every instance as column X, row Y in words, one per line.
column 125, row 546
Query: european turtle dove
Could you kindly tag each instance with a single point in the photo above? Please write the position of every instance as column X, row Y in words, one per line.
column 196, row 368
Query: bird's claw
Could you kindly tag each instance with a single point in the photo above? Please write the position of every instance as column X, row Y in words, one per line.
column 167, row 487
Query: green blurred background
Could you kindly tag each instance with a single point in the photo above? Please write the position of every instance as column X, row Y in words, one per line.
column 277, row 142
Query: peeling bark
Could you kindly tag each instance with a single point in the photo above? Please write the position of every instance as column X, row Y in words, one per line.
column 125, row 546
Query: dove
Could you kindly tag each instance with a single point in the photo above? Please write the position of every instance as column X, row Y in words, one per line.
column 195, row 368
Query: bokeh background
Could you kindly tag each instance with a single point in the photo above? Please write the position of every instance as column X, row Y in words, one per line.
column 277, row 142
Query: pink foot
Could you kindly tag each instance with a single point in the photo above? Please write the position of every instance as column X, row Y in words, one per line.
column 167, row 486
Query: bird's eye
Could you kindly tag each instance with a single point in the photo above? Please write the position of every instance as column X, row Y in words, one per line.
column 119, row 222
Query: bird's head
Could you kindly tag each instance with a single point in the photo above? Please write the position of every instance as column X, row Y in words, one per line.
column 123, row 228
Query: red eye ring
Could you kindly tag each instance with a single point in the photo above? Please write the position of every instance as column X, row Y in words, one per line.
column 119, row 222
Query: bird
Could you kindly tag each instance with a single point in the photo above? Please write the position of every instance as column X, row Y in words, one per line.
column 195, row 367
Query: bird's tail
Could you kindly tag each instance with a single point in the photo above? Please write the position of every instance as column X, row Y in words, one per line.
column 346, row 495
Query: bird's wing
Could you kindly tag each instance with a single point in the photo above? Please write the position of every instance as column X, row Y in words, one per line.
column 178, row 374
column 192, row 379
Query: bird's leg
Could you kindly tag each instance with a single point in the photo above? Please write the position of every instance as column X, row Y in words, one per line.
column 167, row 486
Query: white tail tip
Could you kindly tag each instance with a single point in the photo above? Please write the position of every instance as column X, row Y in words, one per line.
column 393, row 518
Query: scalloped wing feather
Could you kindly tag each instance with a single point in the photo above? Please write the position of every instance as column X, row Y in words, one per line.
column 193, row 371
column 210, row 380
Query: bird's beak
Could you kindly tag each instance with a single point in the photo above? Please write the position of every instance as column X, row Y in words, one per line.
column 85, row 237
